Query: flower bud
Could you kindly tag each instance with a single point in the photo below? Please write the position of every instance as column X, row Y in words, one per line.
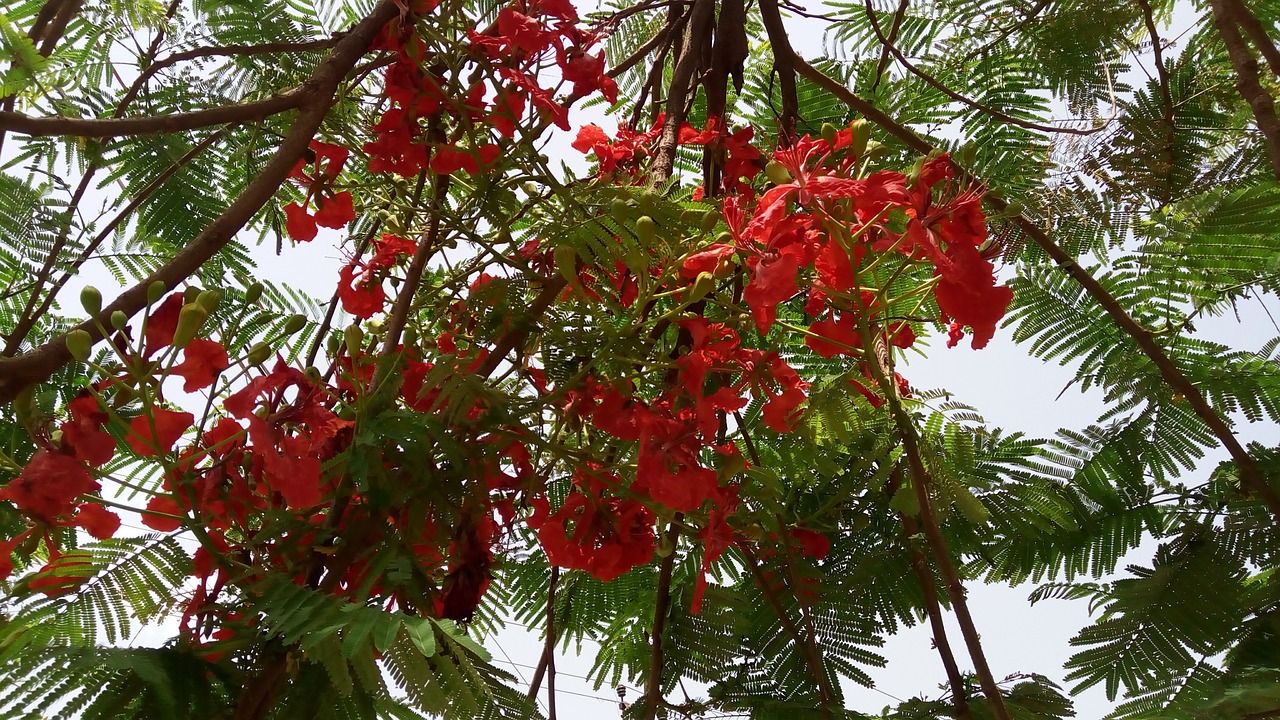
column 710, row 219
column 155, row 291
column 190, row 319
column 190, row 293
column 829, row 133
column 259, row 353
column 646, row 230
column 861, row 136
column 80, row 344
column 620, row 210
column 353, row 336
column 705, row 283
column 648, row 203
column 119, row 320
column 776, row 173
column 566, row 259
column 209, row 300
column 253, row 293
column 91, row 300
column 294, row 324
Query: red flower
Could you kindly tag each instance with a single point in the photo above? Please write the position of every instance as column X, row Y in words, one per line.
column 166, row 505
column 202, row 361
column 83, row 434
column 96, row 520
column 362, row 298
column 833, row 337
column 49, row 485
column 169, row 426
column 522, row 31
column 812, row 543
column 298, row 223
column 335, row 212
column 162, row 322
column 708, row 260
column 967, row 293
column 717, row 536
column 604, row 536
column 449, row 159
column 781, row 412
column 772, row 282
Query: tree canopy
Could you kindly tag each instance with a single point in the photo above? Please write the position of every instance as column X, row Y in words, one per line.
column 658, row 405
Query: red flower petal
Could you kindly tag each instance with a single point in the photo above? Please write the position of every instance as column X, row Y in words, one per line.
column 169, row 426
column 161, row 324
column 162, row 504
column 335, row 212
column 201, row 363
column 97, row 520
column 300, row 226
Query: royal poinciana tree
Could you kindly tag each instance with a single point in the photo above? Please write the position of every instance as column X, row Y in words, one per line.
column 658, row 405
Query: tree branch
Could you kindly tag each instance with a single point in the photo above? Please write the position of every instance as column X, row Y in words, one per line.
column 232, row 50
column 678, row 90
column 933, row 609
column 1247, row 82
column 1257, row 34
column 1166, row 96
column 1250, row 474
column 177, row 122
column 314, row 100
column 662, row 604
column 784, row 64
column 941, row 87
column 883, row 63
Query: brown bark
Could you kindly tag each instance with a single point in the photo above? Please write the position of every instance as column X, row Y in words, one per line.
column 1247, row 79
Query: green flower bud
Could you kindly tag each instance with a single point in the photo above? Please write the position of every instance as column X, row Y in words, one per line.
column 155, row 291
column 646, row 230
column 190, row 319
column 861, row 137
column 91, row 300
column 294, row 324
column 332, row 345
column 119, row 320
column 259, row 353
column 353, row 336
column 620, row 210
column 566, row 259
column 209, row 300
column 703, row 286
column 710, row 219
column 829, row 133
column 253, row 293
column 80, row 343
column 190, row 294
column 648, row 203
column 777, row 174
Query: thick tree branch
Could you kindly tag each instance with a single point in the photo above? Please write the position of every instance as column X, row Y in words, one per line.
column 1247, row 82
column 1250, row 474
column 941, row 87
column 933, row 609
column 686, row 64
column 1258, row 34
column 177, row 122
column 784, row 64
column 316, row 96
column 661, row 607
